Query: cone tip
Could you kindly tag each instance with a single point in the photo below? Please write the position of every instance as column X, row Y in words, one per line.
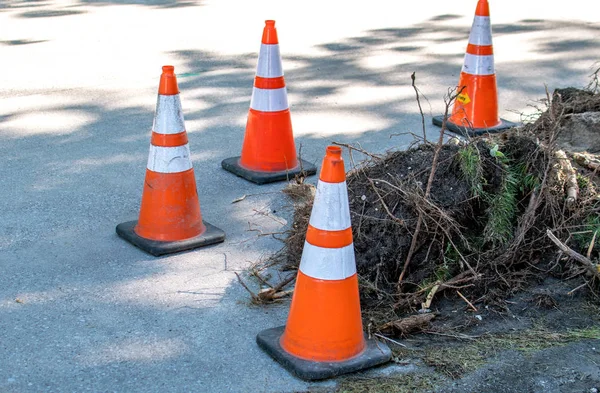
column 332, row 169
column 334, row 151
column 168, row 81
column 270, row 33
column 483, row 8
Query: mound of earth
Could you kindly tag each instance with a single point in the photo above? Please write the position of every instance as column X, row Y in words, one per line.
column 476, row 232
column 484, row 264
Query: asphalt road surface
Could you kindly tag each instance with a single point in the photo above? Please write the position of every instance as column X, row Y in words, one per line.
column 81, row 309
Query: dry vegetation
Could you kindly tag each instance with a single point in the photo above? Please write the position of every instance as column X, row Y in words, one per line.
column 477, row 220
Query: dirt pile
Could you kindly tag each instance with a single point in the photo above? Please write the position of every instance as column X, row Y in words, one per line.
column 501, row 213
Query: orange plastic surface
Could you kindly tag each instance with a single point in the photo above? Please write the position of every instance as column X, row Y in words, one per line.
column 269, row 142
column 270, row 33
column 324, row 322
column 329, row 239
column 168, row 82
column 269, row 83
column 169, row 140
column 332, row 168
column 483, row 8
column 481, row 110
column 170, row 207
column 480, row 50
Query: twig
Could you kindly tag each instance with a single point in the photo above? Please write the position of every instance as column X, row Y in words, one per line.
column 459, row 335
column 256, row 274
column 413, row 243
column 285, row 282
column 248, row 195
column 360, row 150
column 467, row 301
column 575, row 289
column 236, row 200
column 588, row 264
column 252, row 294
column 385, row 206
column 413, row 78
column 261, row 213
column 389, row 339
column 592, row 244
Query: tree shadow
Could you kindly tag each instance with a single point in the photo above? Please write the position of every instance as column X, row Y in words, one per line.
column 21, row 42
column 97, row 312
column 43, row 9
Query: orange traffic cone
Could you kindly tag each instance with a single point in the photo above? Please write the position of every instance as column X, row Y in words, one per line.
column 476, row 108
column 324, row 335
column 268, row 151
column 170, row 219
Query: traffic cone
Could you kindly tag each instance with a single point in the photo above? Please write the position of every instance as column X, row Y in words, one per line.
column 324, row 335
column 170, row 219
column 268, row 151
column 475, row 110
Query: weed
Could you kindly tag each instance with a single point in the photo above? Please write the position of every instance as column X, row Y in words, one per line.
column 470, row 166
column 589, row 230
column 502, row 210
column 582, row 181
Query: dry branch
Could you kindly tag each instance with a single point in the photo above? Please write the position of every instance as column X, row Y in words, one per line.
column 413, row 78
column 570, row 176
column 587, row 161
column 412, row 324
column 590, row 266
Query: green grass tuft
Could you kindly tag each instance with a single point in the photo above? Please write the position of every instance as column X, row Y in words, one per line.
column 503, row 210
column 470, row 166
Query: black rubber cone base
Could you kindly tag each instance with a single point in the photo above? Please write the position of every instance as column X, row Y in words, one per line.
column 233, row 165
column 504, row 125
column 157, row 248
column 375, row 353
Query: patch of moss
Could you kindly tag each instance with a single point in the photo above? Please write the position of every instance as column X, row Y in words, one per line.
column 455, row 361
column 463, row 358
column 407, row 383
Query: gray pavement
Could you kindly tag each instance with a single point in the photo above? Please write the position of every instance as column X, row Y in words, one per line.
column 82, row 310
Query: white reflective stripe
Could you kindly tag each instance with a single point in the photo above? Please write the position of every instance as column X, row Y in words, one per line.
column 328, row 263
column 481, row 32
column 269, row 61
column 169, row 159
column 168, row 118
column 478, row 65
column 331, row 211
column 269, row 100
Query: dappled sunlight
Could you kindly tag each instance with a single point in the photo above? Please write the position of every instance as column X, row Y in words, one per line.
column 362, row 95
column 205, row 126
column 24, row 299
column 205, row 155
column 136, row 349
column 56, row 122
column 89, row 164
column 178, row 284
column 76, row 118
column 325, row 123
column 386, row 59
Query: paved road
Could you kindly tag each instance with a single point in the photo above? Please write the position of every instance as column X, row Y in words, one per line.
column 80, row 309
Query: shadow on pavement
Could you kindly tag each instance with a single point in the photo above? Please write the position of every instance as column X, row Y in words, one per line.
column 90, row 314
